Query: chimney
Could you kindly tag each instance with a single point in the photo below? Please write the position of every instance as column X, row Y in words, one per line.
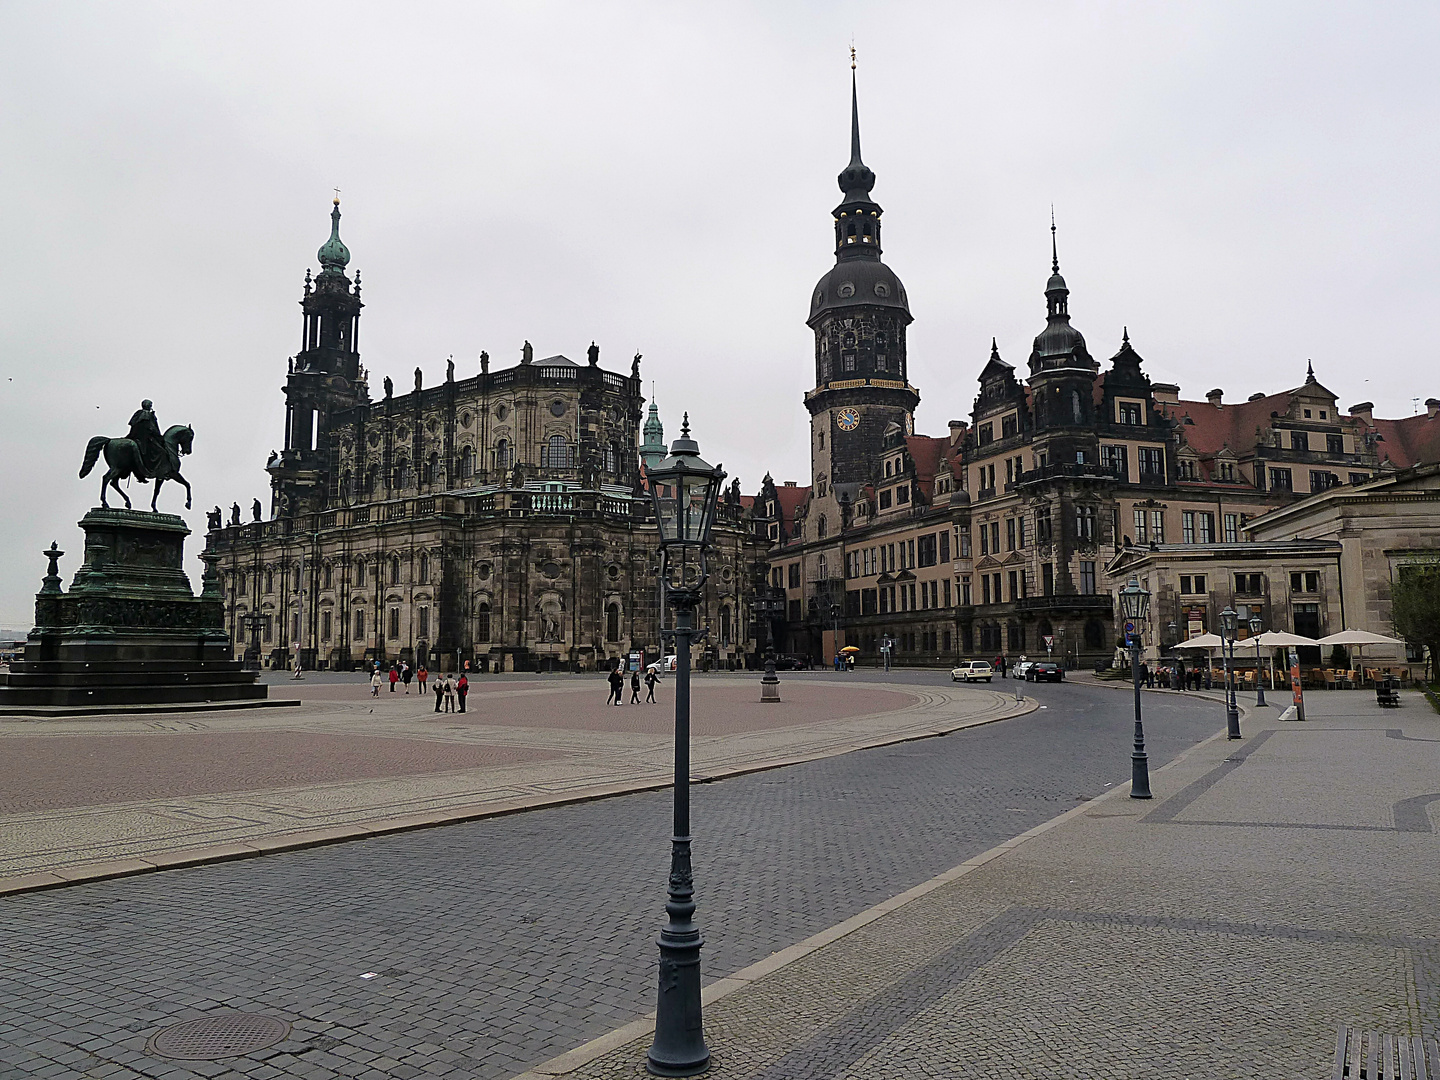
column 1364, row 411
column 957, row 432
column 1214, row 397
column 789, row 483
column 1255, row 396
column 1432, row 407
column 1166, row 392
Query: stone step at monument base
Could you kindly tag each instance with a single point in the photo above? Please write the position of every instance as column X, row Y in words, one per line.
column 73, row 673
column 142, row 688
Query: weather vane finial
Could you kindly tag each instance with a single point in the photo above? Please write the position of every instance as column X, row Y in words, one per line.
column 337, row 196
column 852, row 54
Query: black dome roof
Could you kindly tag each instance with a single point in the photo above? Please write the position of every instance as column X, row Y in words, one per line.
column 858, row 283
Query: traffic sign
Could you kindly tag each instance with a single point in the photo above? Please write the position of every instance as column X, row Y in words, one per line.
column 1049, row 640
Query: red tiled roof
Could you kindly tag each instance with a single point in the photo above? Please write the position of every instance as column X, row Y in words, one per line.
column 789, row 499
column 1229, row 425
column 926, row 453
column 1414, row 440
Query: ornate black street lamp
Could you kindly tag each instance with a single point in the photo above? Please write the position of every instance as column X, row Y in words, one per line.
column 1229, row 623
column 1135, row 607
column 1255, row 626
column 684, row 490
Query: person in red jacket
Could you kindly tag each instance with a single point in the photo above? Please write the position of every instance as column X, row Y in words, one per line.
column 394, row 677
column 462, row 687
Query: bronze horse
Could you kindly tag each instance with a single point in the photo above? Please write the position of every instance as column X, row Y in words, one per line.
column 124, row 460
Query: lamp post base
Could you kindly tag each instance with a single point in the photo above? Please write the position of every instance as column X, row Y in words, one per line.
column 1140, row 776
column 1232, row 723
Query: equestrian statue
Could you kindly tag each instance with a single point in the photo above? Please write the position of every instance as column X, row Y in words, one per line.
column 144, row 454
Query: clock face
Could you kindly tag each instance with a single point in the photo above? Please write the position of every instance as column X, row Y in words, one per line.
column 909, row 424
column 848, row 419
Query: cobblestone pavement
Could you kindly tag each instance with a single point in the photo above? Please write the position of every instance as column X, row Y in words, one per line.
column 1276, row 888
column 130, row 792
column 498, row 944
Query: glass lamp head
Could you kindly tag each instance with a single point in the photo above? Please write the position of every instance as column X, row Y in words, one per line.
column 684, row 490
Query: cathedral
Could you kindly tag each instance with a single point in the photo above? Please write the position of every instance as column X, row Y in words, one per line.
column 497, row 519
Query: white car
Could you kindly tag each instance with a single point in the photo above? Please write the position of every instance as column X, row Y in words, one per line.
column 1021, row 669
column 972, row 671
column 663, row 665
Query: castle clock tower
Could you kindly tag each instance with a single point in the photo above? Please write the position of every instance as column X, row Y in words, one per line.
column 859, row 314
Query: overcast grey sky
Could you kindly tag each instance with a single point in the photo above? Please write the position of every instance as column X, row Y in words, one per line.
column 1245, row 185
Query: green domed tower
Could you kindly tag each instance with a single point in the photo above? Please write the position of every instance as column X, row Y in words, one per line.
column 652, row 450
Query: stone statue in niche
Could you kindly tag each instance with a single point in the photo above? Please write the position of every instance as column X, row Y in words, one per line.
column 548, row 612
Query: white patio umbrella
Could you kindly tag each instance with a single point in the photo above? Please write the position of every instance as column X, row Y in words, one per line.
column 1204, row 641
column 1358, row 639
column 1278, row 639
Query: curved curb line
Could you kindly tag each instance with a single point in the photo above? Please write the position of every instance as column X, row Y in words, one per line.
column 596, row 1048
column 230, row 851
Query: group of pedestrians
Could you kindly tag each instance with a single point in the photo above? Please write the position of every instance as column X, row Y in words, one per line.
column 1175, row 677
column 617, row 687
column 449, row 692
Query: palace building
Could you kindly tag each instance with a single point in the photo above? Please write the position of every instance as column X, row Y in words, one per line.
column 1002, row 536
column 498, row 519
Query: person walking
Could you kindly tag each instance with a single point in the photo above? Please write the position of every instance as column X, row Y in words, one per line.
column 617, row 682
column 421, row 674
column 650, row 680
column 406, row 674
column 462, row 687
column 394, row 677
column 375, row 682
column 1179, row 674
column 635, row 688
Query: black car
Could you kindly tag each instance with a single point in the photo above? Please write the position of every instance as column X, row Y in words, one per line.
column 790, row 663
column 1045, row 671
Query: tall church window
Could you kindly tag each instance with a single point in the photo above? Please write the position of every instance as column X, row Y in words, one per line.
column 482, row 623
column 849, row 361
column 424, row 578
column 359, row 625
column 821, row 528
column 394, row 572
column 612, row 622
column 467, row 462
column 360, row 572
column 724, row 627
column 402, row 474
column 432, row 466
column 556, row 453
column 502, row 454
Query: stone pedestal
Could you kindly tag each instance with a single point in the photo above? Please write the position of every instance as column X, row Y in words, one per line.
column 769, row 682
column 130, row 632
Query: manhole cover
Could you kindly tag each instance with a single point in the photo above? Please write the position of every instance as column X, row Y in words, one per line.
column 211, row 1038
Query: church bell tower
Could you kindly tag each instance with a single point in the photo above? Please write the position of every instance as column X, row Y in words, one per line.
column 325, row 378
column 859, row 313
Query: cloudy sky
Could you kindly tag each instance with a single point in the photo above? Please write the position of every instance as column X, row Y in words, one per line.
column 1245, row 185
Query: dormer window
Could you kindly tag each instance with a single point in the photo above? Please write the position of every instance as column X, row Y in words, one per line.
column 1307, row 414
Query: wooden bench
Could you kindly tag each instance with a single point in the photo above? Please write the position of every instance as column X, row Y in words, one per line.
column 1370, row 1055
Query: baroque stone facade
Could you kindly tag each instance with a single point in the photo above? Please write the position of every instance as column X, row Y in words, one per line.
column 1002, row 537
column 498, row 519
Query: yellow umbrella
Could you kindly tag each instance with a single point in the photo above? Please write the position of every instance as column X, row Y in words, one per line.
column 850, row 648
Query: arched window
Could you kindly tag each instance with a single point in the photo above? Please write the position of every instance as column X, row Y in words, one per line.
column 269, row 581
column 359, row 571
column 612, row 622
column 482, row 624
column 402, row 474
column 370, row 475
column 424, row 568
column 329, row 575
column 432, row 468
column 821, row 528
column 556, row 453
column 502, row 454
column 394, row 570
column 887, row 469
column 1094, row 633
column 467, row 463
column 611, row 460
column 240, row 583
column 724, row 627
